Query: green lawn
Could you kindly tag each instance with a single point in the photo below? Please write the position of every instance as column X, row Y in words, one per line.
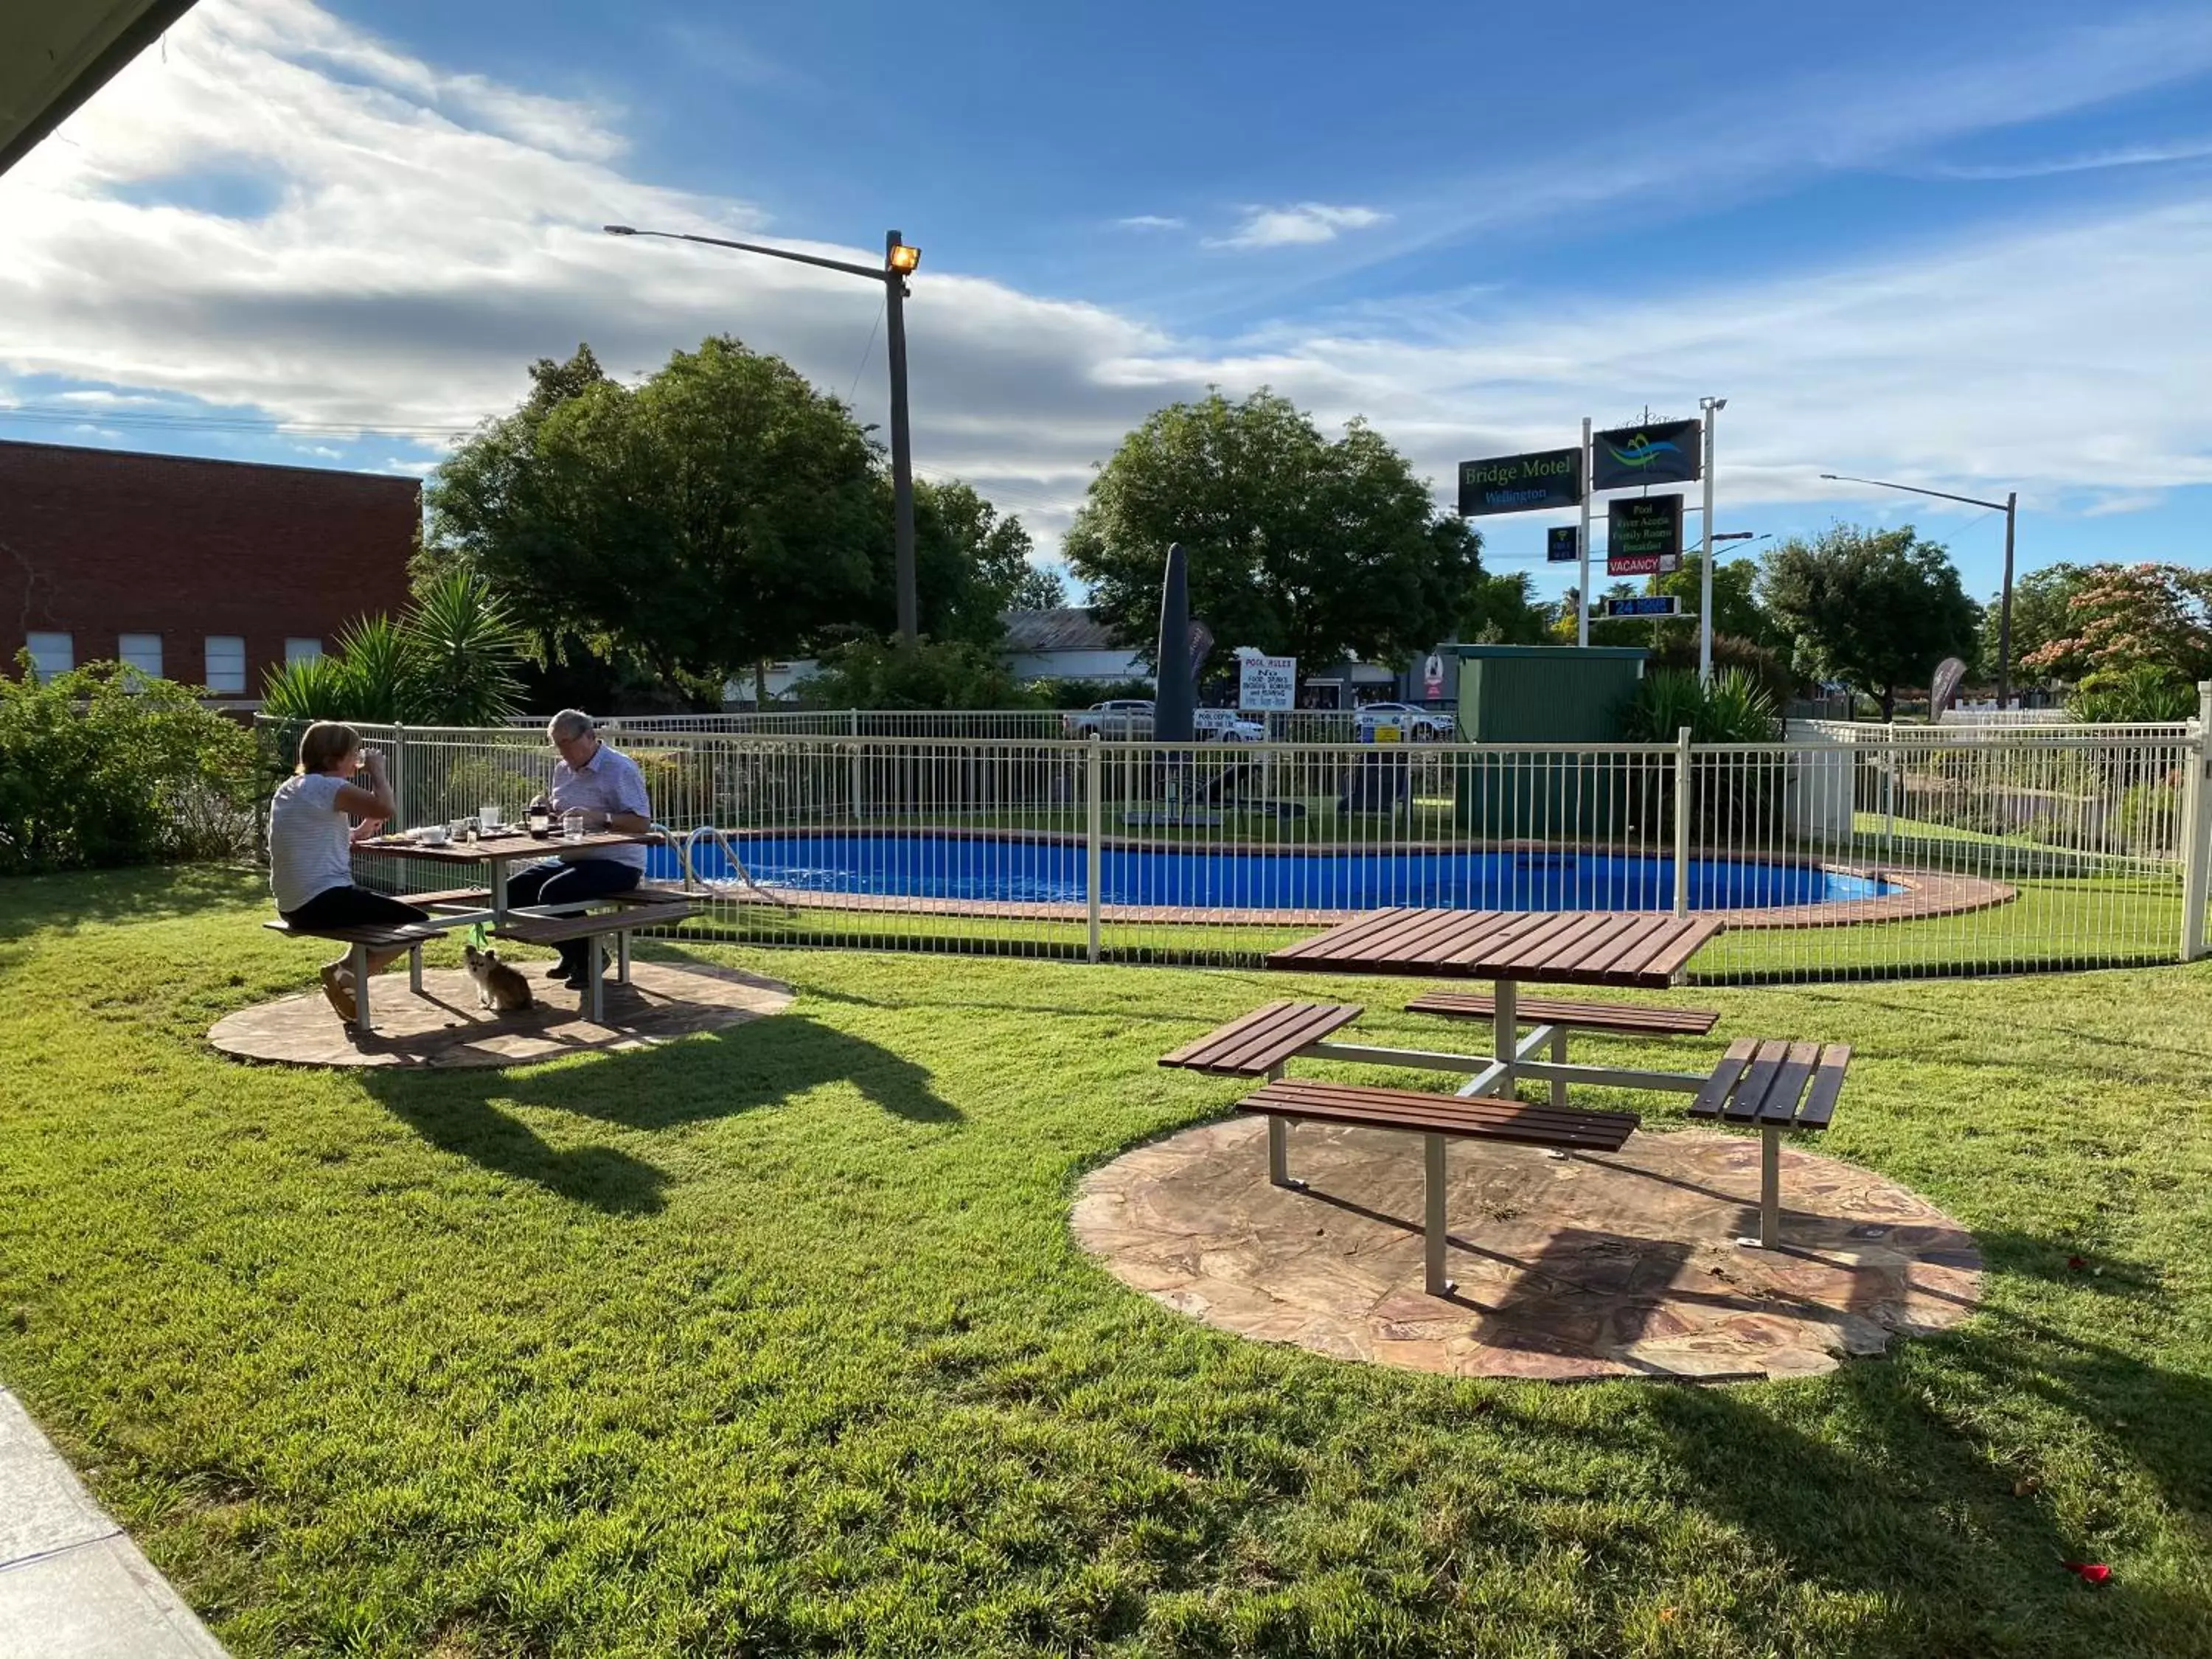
column 775, row 1342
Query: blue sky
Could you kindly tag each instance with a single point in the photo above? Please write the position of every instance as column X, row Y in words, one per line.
column 1961, row 246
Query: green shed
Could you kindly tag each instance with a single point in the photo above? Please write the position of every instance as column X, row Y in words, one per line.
column 1534, row 695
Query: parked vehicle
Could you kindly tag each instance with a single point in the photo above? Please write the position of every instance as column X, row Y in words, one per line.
column 1418, row 725
column 1117, row 717
column 1225, row 726
column 1129, row 718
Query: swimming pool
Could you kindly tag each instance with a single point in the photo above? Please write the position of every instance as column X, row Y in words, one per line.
column 945, row 867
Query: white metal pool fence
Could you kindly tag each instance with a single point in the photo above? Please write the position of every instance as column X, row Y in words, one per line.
column 1847, row 851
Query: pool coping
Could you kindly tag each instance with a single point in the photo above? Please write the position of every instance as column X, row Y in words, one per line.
column 1924, row 895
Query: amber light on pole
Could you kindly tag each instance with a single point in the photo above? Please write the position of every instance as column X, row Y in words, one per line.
column 901, row 258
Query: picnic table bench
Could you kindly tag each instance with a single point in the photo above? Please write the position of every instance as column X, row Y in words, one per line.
column 639, row 907
column 1435, row 1119
column 410, row 936
column 1772, row 1085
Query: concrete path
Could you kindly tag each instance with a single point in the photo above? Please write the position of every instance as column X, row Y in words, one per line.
column 72, row 1585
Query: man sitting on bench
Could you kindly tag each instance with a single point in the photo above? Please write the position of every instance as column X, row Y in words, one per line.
column 311, row 848
column 605, row 786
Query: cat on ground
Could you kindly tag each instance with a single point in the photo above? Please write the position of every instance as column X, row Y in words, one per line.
column 499, row 988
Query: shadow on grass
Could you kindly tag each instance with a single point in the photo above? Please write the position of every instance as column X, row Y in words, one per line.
column 158, row 892
column 763, row 1063
column 1934, row 1522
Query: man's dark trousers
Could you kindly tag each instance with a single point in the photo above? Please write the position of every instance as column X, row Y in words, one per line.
column 555, row 883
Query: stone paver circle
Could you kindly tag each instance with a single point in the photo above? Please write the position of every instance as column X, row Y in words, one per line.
column 444, row 1027
column 1578, row 1267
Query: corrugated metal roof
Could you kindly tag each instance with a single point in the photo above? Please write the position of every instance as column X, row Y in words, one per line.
column 1072, row 628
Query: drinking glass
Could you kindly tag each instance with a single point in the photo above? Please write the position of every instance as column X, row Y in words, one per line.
column 488, row 817
column 572, row 825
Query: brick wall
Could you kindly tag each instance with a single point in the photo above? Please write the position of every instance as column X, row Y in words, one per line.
column 95, row 544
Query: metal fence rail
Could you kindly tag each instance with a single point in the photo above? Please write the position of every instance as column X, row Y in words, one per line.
column 1845, row 852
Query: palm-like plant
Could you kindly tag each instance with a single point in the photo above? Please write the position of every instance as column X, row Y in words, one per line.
column 450, row 661
column 461, row 650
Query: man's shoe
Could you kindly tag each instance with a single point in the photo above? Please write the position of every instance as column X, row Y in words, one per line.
column 558, row 969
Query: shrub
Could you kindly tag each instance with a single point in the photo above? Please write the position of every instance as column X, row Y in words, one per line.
column 930, row 674
column 1733, row 709
column 2140, row 691
column 450, row 660
column 103, row 766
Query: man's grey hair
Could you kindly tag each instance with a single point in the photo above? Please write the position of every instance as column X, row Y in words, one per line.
column 570, row 723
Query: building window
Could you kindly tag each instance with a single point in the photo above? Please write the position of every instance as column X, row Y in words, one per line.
column 141, row 652
column 50, row 653
column 302, row 651
column 225, row 670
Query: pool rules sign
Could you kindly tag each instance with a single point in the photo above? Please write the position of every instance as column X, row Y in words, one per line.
column 1266, row 683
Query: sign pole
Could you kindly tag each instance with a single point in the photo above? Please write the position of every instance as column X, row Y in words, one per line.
column 1713, row 407
column 1582, row 600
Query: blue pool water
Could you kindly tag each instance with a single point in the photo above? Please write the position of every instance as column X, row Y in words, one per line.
column 1003, row 869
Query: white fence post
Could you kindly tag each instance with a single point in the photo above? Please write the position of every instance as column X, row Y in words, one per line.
column 1682, row 822
column 398, row 776
column 853, row 760
column 1093, row 819
column 2195, row 822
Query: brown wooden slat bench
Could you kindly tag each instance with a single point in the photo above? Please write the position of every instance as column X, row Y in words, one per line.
column 1772, row 1085
column 1257, row 1043
column 1621, row 1019
column 472, row 898
column 410, row 936
column 1434, row 1118
column 595, row 926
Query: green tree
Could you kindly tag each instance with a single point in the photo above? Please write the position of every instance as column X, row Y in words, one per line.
column 1877, row 610
column 949, row 674
column 2042, row 611
column 1298, row 545
column 721, row 514
column 1039, row 589
column 1501, row 609
column 2120, row 617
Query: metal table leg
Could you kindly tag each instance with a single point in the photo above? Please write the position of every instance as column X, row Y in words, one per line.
column 598, row 961
column 1507, row 1020
column 360, row 988
column 1432, row 1230
column 1560, row 1058
column 414, row 968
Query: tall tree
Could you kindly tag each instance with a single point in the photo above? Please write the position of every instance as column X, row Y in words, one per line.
column 1298, row 545
column 1501, row 609
column 1877, row 610
column 2042, row 611
column 722, row 513
column 1039, row 589
column 2125, row 616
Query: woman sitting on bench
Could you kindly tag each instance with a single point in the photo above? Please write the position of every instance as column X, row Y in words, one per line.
column 311, row 848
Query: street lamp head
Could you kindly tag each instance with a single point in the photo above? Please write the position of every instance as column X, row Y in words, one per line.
column 1712, row 404
column 619, row 230
column 903, row 257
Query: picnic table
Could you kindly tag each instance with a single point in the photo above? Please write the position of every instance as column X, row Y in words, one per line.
column 1510, row 948
column 499, row 851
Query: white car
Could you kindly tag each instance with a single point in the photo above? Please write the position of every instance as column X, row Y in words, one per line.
column 1117, row 717
column 1225, row 726
column 1420, row 724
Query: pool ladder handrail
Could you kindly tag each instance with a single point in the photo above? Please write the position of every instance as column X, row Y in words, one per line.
column 692, row 883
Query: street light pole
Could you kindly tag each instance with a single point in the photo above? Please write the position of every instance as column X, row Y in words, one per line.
column 900, row 259
column 2010, row 507
column 909, row 619
column 1712, row 407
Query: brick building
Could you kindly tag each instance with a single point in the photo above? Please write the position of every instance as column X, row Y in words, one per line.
column 205, row 571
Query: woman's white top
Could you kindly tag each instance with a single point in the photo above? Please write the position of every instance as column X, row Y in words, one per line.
column 309, row 851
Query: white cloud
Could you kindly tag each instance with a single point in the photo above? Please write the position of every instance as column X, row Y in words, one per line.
column 1305, row 222
column 1149, row 221
column 420, row 254
column 2138, row 155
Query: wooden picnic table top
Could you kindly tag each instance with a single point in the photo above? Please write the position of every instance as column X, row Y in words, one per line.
column 503, row 847
column 1560, row 947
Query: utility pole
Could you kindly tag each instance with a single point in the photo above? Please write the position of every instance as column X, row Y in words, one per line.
column 1712, row 407
column 909, row 606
